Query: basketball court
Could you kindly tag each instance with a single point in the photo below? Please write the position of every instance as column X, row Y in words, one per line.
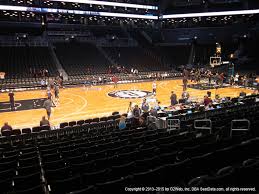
column 97, row 101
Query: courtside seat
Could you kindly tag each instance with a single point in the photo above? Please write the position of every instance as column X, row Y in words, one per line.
column 63, row 125
column 16, row 132
column 80, row 122
column 96, row 120
column 115, row 113
column 88, row 120
column 44, row 128
column 103, row 119
column 36, row 129
column 72, row 123
column 7, row 133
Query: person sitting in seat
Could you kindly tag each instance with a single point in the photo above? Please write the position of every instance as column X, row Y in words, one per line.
column 122, row 123
column 6, row 127
column 44, row 122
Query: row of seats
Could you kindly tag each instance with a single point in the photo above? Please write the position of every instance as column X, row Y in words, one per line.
column 86, row 158
column 19, row 62
column 81, row 58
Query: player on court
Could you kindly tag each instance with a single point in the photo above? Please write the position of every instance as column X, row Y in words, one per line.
column 154, row 87
column 115, row 81
column 47, row 105
column 50, row 96
column 56, row 92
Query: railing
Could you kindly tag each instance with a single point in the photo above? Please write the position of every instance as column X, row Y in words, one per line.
column 243, row 128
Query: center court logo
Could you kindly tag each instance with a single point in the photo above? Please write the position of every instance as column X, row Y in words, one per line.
column 130, row 94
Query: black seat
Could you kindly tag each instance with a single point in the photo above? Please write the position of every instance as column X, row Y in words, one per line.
column 148, row 152
column 89, row 189
column 80, row 122
column 26, row 130
column 51, row 157
column 168, row 158
column 123, row 170
column 33, row 190
column 26, row 155
column 28, row 161
column 101, row 163
column 16, row 132
column 72, row 123
column 57, row 174
column 54, row 164
column 83, row 167
column 224, row 177
column 22, row 182
column 146, row 178
column 76, row 160
column 8, row 165
column 5, row 184
column 88, row 120
column 7, row 174
column 248, row 172
column 9, row 158
column 196, row 182
column 103, row 119
column 113, row 186
column 128, row 157
column 7, row 133
column 36, row 129
column 175, row 173
column 147, row 164
column 63, row 125
column 96, row 177
column 65, row 185
column 23, row 171
column 95, row 120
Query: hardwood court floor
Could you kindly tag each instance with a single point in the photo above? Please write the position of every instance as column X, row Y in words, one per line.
column 79, row 103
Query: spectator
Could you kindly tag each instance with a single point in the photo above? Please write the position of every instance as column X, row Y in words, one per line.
column 158, row 106
column 44, row 122
column 153, row 112
column 122, row 123
column 185, row 96
column 145, row 105
column 42, row 83
column 173, row 98
column 207, row 100
column 6, row 127
column 135, row 116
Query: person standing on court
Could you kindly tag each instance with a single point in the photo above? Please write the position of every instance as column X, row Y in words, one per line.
column 154, row 87
column 56, row 92
column 115, row 81
column 185, row 81
column 47, row 105
column 11, row 100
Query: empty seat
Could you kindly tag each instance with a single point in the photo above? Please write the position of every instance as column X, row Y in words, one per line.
column 26, row 130
column 65, row 185
column 63, row 125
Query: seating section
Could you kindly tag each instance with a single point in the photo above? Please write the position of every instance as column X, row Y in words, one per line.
column 104, row 160
column 174, row 55
column 81, row 58
column 93, row 156
column 21, row 62
column 133, row 57
column 109, row 32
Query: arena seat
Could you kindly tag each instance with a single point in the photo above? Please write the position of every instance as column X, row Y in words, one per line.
column 81, row 58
